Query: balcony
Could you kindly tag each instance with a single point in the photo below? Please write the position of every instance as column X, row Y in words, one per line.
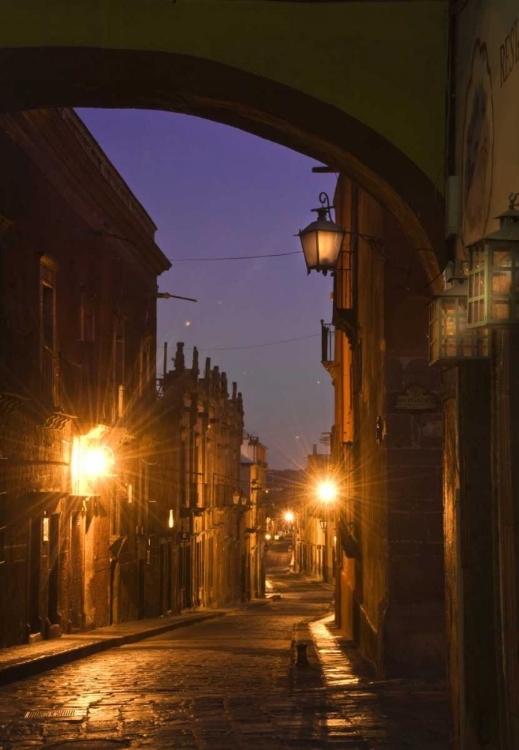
column 328, row 348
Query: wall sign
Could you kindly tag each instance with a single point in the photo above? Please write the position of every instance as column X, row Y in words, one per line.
column 416, row 398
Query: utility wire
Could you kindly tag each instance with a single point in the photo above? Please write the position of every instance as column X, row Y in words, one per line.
column 253, row 346
column 235, row 257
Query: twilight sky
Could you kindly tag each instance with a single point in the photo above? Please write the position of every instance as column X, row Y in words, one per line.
column 215, row 191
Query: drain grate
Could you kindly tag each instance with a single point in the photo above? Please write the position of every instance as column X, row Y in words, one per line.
column 60, row 713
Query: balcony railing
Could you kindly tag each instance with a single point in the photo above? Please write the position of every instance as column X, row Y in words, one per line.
column 328, row 347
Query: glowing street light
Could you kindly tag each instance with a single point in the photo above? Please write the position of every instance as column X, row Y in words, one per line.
column 88, row 463
column 96, row 462
column 327, row 492
column 289, row 516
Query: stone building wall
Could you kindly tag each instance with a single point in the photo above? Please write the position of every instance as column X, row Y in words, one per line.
column 78, row 305
column 388, row 440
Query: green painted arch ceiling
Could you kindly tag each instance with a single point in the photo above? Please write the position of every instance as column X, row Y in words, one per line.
column 382, row 63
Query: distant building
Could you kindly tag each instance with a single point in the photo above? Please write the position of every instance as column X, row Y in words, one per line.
column 200, row 425
column 316, row 537
column 253, row 474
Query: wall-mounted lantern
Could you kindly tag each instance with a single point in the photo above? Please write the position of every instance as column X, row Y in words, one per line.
column 493, row 295
column 323, row 523
column 322, row 239
column 450, row 338
column 171, row 519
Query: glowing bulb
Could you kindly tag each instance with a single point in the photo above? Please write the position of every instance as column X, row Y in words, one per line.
column 268, row 537
column 327, row 492
column 289, row 516
column 171, row 520
column 96, row 462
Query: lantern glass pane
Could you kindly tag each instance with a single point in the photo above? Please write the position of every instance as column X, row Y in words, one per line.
column 500, row 309
column 501, row 259
column 309, row 244
column 501, row 271
column 329, row 245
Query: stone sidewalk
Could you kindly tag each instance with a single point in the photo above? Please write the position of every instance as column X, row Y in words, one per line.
column 404, row 713
column 395, row 714
column 19, row 662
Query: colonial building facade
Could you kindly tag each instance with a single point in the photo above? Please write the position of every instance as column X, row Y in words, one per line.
column 253, row 473
column 200, row 424
column 79, row 284
column 115, row 504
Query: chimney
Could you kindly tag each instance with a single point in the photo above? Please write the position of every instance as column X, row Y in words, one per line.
column 179, row 361
column 194, row 368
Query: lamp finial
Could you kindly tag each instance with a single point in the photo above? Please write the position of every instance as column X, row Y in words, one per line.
column 513, row 200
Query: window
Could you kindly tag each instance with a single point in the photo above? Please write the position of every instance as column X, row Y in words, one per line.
column 48, row 312
column 145, row 367
column 118, row 367
column 49, row 359
column 87, row 319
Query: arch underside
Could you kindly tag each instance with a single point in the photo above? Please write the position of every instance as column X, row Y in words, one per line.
column 86, row 77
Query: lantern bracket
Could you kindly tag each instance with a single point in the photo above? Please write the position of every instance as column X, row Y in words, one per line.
column 325, row 208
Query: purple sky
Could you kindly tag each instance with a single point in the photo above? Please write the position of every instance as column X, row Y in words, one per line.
column 216, row 191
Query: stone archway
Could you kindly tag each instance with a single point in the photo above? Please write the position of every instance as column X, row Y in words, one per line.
column 336, row 81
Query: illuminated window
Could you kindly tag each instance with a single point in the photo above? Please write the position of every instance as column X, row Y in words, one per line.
column 118, row 367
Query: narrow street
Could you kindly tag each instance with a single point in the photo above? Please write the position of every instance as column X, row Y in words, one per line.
column 227, row 683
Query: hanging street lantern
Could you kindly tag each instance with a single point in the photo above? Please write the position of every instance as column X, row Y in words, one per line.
column 450, row 340
column 322, row 239
column 493, row 296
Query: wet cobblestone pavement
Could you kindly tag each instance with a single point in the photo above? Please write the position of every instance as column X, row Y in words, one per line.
column 226, row 684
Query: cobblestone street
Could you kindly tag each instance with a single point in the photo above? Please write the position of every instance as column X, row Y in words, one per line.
column 226, row 683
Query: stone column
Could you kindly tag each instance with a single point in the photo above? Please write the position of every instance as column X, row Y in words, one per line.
column 505, row 480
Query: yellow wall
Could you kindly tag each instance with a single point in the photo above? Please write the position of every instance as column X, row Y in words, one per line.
column 382, row 63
